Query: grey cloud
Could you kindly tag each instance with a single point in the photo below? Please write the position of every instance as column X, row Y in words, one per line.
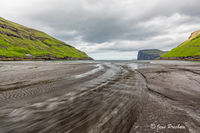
column 107, row 25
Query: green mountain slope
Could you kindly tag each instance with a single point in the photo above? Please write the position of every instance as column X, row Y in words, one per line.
column 18, row 42
column 188, row 50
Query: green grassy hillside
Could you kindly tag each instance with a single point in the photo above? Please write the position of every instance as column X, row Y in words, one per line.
column 17, row 41
column 190, row 49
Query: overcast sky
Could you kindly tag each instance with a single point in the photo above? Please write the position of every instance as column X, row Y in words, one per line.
column 109, row 29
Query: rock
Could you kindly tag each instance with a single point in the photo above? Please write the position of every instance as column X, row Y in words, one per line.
column 194, row 34
column 149, row 54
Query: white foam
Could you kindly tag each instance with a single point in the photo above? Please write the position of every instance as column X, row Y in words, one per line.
column 19, row 114
column 108, row 75
column 133, row 66
column 98, row 68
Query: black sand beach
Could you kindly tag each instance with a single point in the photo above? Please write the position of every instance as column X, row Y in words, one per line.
column 94, row 97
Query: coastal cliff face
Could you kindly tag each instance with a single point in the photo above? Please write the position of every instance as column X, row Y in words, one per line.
column 18, row 42
column 188, row 50
column 149, row 54
column 194, row 34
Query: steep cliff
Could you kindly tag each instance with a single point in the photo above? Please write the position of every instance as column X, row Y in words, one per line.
column 149, row 54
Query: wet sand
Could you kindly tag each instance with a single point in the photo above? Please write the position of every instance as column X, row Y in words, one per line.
column 91, row 97
column 174, row 99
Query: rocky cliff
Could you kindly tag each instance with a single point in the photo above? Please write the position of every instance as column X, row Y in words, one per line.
column 149, row 54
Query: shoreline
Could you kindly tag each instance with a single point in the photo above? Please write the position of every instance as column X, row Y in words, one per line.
column 41, row 58
column 192, row 58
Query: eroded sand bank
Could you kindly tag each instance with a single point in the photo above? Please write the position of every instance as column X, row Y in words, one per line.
column 174, row 98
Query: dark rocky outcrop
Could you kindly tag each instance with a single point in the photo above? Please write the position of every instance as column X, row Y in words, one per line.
column 149, row 54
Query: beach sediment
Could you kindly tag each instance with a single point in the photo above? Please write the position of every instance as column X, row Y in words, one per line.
column 92, row 97
column 173, row 104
